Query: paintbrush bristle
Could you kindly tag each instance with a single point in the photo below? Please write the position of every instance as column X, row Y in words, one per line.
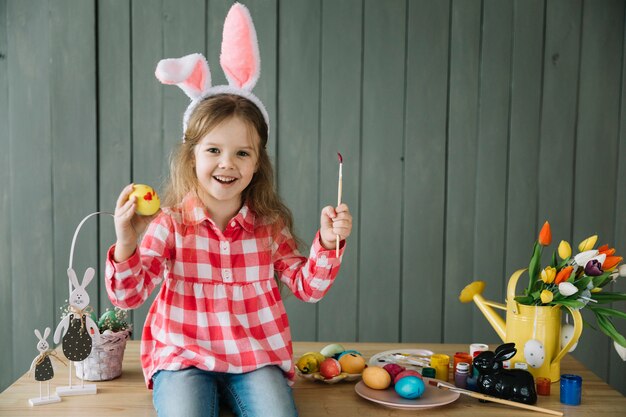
column 340, row 158
column 433, row 383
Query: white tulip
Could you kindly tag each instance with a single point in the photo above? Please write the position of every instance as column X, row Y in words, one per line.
column 567, row 288
column 622, row 270
column 583, row 257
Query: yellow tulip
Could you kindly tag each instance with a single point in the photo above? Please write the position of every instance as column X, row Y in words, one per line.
column 588, row 243
column 548, row 274
column 565, row 250
column 546, row 296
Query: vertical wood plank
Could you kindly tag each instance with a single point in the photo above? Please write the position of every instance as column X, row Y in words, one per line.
column 6, row 304
column 183, row 34
column 597, row 140
column 380, row 225
column 114, row 118
column 558, row 116
column 617, row 367
column 462, row 146
column 148, row 145
column 522, row 191
column 298, row 135
column 492, row 161
column 425, row 169
column 216, row 13
column 73, row 135
column 339, row 132
column 30, row 147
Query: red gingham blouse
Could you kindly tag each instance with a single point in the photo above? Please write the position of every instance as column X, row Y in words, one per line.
column 219, row 308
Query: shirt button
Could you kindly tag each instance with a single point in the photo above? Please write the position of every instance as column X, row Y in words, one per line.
column 232, row 223
column 226, row 275
column 225, row 247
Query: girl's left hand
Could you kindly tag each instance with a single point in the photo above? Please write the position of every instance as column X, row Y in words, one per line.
column 333, row 222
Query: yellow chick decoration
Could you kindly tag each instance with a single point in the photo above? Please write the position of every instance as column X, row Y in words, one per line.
column 148, row 201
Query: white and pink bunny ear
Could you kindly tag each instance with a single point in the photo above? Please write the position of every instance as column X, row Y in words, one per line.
column 240, row 57
column 191, row 73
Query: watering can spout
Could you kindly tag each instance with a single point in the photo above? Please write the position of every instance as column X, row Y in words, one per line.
column 473, row 292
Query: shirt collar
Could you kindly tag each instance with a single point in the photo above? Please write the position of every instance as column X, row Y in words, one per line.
column 194, row 212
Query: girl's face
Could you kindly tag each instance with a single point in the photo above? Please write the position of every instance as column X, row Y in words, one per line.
column 225, row 161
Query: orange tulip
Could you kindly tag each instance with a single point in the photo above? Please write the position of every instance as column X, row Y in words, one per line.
column 545, row 235
column 606, row 250
column 563, row 274
column 611, row 262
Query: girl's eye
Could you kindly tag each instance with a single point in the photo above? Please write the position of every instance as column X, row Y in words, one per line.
column 243, row 153
column 213, row 150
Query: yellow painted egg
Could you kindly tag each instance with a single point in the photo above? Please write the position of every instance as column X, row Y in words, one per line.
column 376, row 377
column 148, row 201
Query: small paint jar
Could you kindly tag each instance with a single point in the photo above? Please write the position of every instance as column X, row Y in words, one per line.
column 429, row 372
column 462, row 357
column 477, row 347
column 571, row 389
column 543, row 385
column 441, row 363
column 460, row 374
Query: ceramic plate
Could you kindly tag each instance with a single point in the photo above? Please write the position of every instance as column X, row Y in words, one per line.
column 432, row 397
column 379, row 358
column 316, row 376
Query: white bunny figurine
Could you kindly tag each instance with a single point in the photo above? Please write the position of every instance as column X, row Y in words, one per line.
column 77, row 326
column 43, row 367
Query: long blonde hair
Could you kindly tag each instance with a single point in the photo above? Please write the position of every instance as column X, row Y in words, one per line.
column 260, row 195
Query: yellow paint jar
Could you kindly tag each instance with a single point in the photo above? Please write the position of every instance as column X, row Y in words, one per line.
column 441, row 363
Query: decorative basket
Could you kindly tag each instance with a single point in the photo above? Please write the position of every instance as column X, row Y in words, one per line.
column 105, row 360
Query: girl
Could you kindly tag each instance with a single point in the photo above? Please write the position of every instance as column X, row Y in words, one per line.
column 218, row 329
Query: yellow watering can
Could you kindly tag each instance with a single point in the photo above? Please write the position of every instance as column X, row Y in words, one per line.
column 529, row 327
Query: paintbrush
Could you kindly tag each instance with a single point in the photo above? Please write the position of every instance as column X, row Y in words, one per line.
column 339, row 190
column 484, row 397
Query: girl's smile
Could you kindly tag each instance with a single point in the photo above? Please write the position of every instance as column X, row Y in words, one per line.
column 226, row 160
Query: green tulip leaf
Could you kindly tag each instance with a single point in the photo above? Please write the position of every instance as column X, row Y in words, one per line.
column 607, row 297
column 609, row 312
column 607, row 327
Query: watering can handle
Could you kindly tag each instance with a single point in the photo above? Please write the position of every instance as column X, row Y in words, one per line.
column 578, row 320
column 510, row 291
column 578, row 329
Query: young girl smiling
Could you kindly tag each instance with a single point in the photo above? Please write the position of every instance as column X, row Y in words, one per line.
column 220, row 246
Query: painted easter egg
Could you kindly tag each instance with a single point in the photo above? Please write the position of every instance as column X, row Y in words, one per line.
column 410, row 387
column 376, row 377
column 148, row 201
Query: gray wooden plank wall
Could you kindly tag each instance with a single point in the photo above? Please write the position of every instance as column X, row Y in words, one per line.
column 463, row 125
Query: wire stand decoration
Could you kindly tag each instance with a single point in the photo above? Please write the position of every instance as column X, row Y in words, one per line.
column 77, row 328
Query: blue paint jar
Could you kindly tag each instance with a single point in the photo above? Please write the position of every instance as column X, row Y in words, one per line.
column 571, row 389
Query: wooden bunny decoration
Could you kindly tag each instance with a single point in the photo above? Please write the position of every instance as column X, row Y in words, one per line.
column 78, row 329
column 43, row 368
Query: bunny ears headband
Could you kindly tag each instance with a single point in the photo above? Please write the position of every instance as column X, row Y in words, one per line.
column 239, row 59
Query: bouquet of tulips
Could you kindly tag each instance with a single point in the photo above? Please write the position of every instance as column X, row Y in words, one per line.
column 577, row 282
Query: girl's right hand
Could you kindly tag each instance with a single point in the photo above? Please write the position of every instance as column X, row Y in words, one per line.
column 128, row 224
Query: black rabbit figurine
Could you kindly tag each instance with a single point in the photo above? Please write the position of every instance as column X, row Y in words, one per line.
column 514, row 384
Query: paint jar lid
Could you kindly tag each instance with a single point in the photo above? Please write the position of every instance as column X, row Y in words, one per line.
column 429, row 372
column 462, row 367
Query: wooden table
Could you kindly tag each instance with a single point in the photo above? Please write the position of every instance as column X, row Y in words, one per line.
column 128, row 396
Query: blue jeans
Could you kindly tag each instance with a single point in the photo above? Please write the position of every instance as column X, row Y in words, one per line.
column 192, row 392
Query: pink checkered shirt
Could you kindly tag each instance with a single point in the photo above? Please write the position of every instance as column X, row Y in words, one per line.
column 219, row 308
